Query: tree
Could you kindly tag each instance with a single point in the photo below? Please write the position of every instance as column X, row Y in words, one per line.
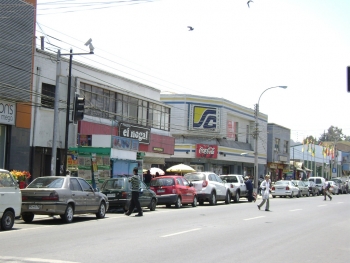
column 334, row 134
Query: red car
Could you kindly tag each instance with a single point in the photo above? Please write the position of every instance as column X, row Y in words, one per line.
column 174, row 190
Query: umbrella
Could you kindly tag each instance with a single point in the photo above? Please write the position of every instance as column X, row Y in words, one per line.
column 181, row 168
column 155, row 170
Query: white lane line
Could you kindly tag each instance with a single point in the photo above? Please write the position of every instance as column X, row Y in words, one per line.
column 252, row 218
column 295, row 210
column 18, row 259
column 183, row 232
column 321, row 205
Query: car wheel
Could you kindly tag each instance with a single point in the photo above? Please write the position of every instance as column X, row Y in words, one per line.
column 7, row 220
column 68, row 214
column 101, row 210
column 178, row 202
column 212, row 200
column 27, row 217
column 153, row 204
column 236, row 198
column 228, row 197
column 194, row 204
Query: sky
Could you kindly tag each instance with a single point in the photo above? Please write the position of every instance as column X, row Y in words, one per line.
column 235, row 52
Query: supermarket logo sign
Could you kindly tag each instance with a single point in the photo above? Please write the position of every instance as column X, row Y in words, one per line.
column 206, row 118
column 7, row 112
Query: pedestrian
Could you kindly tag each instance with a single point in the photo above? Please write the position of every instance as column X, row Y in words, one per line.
column 147, row 177
column 135, row 188
column 326, row 186
column 249, row 186
column 265, row 193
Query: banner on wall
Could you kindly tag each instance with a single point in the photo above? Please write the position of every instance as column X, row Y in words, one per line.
column 206, row 151
column 7, row 112
column 122, row 143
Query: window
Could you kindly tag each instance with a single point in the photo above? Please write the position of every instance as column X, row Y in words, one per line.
column 179, row 181
column 84, row 185
column 285, row 146
column 277, row 145
column 74, row 185
column 48, row 95
column 236, row 130
column 247, row 134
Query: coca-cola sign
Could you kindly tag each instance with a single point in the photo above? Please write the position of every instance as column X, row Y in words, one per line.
column 206, row 151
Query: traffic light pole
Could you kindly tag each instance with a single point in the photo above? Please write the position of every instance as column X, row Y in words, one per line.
column 68, row 105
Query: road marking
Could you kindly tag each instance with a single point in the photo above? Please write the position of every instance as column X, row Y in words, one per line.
column 18, row 259
column 252, row 218
column 183, row 232
column 295, row 210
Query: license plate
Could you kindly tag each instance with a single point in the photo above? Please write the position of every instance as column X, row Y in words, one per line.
column 35, row 207
column 161, row 191
column 110, row 195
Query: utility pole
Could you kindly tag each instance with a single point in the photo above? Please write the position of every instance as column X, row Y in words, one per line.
column 256, row 135
column 56, row 117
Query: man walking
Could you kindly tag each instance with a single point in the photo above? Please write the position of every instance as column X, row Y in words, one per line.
column 326, row 187
column 249, row 186
column 135, row 186
column 265, row 193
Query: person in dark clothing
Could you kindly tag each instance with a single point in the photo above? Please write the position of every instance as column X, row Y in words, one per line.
column 135, row 186
column 249, row 186
column 147, row 177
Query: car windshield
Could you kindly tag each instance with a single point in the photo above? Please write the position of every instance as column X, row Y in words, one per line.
column 114, row 184
column 46, row 183
column 229, row 179
column 282, row 183
column 163, row 182
column 195, row 176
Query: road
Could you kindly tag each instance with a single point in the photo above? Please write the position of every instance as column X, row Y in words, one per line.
column 306, row 229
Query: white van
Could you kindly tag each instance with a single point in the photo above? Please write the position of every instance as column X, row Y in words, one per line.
column 10, row 200
column 319, row 181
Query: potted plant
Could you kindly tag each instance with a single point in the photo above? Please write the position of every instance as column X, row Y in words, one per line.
column 21, row 177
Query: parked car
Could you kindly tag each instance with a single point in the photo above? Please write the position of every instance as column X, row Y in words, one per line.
column 210, row 188
column 341, row 185
column 63, row 196
column 334, row 189
column 118, row 192
column 319, row 181
column 235, row 183
column 284, row 188
column 303, row 188
column 174, row 190
column 10, row 200
column 313, row 189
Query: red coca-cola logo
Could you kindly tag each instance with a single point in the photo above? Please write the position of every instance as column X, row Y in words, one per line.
column 206, row 151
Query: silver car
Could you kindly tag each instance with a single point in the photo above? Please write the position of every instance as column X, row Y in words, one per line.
column 303, row 188
column 63, row 196
column 284, row 188
column 210, row 188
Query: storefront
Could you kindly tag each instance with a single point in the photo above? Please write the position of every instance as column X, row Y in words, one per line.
column 7, row 119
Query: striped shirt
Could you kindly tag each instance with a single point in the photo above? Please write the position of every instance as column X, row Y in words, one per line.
column 135, row 183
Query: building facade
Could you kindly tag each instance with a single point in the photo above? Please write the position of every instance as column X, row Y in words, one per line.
column 278, row 155
column 214, row 134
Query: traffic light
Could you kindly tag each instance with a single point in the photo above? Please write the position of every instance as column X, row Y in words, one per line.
column 78, row 111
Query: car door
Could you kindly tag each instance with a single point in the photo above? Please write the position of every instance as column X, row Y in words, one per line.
column 146, row 196
column 242, row 185
column 190, row 191
column 78, row 195
column 220, row 185
column 10, row 195
column 92, row 200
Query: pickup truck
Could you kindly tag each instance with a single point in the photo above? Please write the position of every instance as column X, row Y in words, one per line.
column 236, row 184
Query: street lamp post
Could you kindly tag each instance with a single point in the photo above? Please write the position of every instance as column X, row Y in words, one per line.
column 256, row 136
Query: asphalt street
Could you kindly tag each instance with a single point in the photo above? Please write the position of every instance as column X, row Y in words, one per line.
column 305, row 229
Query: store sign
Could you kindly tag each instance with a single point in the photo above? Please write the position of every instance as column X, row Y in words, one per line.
column 204, row 118
column 7, row 112
column 206, row 151
column 142, row 134
column 158, row 149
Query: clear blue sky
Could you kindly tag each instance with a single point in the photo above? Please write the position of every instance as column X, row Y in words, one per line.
column 234, row 52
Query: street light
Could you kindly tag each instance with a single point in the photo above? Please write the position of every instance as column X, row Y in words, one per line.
column 256, row 136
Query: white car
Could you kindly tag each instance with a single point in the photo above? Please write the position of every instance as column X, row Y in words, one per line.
column 284, row 188
column 210, row 188
column 235, row 183
column 10, row 200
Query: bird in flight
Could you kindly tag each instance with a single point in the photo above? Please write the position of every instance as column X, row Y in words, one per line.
column 250, row 1
column 190, row 28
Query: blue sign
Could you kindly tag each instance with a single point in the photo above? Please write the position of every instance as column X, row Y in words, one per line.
column 334, row 170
